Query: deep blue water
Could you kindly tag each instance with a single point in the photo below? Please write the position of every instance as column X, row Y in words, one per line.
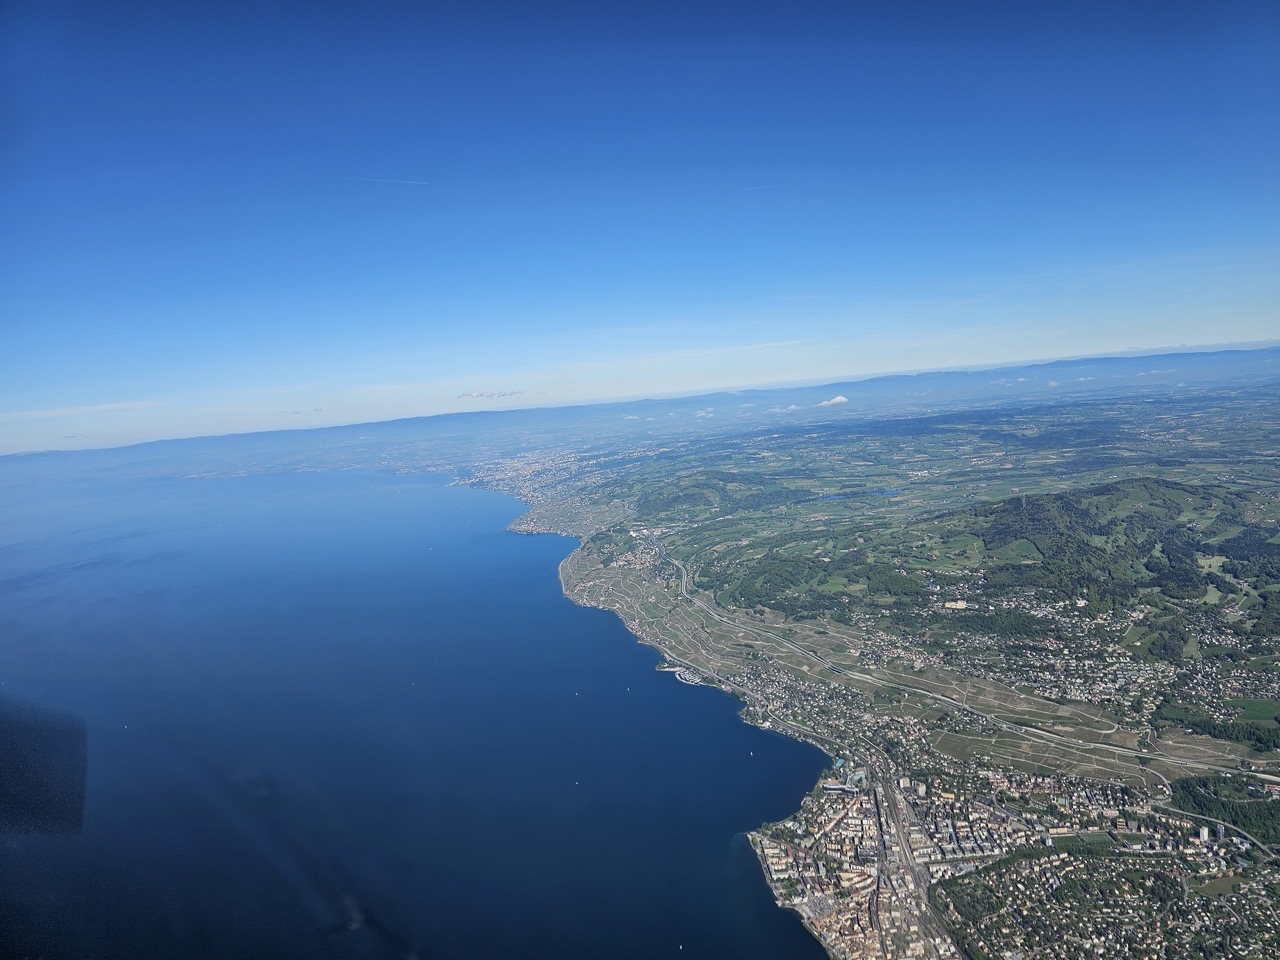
column 315, row 698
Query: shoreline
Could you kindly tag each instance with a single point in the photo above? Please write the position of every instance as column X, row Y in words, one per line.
column 674, row 665
column 693, row 676
column 754, row 838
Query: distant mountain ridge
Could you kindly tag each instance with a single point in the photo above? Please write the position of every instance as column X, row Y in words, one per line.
column 536, row 428
column 898, row 393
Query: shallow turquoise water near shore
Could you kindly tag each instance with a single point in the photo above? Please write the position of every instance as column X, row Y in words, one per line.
column 349, row 714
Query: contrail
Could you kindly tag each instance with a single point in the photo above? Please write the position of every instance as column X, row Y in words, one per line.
column 418, row 183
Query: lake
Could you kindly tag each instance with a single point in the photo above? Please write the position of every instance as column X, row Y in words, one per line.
column 349, row 714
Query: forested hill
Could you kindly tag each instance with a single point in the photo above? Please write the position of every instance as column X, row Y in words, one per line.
column 1104, row 545
column 1107, row 541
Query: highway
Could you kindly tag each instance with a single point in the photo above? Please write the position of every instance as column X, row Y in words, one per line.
column 1024, row 729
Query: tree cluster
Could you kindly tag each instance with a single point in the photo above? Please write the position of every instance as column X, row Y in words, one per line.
column 1218, row 797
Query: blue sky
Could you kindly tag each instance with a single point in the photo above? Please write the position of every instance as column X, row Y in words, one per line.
column 226, row 217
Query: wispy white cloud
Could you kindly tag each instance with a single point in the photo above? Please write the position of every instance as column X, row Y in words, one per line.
column 696, row 353
column 834, row 401
column 488, row 394
column 84, row 411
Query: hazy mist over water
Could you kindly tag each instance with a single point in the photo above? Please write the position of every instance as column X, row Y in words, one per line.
column 314, row 698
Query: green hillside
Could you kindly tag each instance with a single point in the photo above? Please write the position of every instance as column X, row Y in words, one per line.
column 1102, row 547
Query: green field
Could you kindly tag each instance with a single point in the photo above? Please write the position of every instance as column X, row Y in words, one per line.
column 1257, row 711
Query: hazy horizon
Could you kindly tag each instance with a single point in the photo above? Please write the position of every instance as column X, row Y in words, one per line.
column 1134, row 353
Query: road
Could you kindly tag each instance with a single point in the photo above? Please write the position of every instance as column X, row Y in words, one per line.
column 1023, row 729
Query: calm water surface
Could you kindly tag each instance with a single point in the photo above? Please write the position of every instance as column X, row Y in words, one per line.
column 325, row 701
